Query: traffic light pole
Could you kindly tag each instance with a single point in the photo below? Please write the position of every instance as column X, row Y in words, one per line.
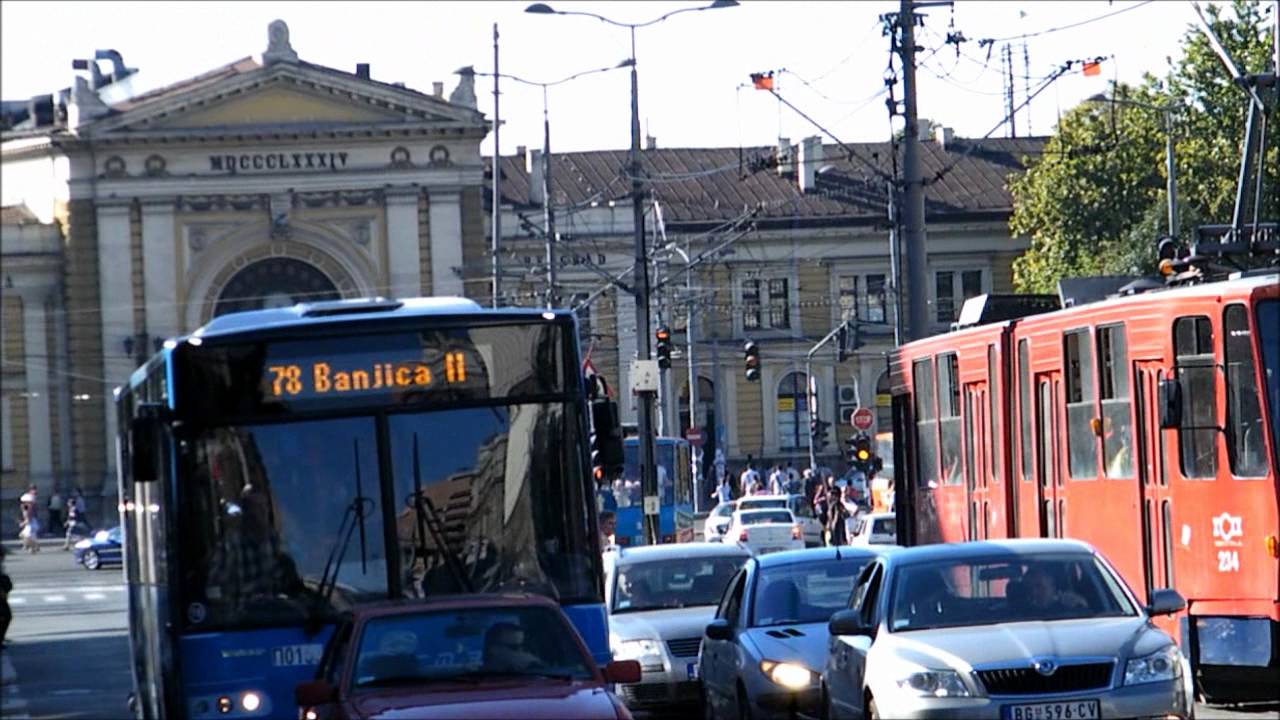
column 808, row 373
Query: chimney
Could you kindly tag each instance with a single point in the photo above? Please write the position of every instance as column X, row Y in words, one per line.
column 786, row 163
column 533, row 166
column 437, row 89
column 362, row 71
column 925, row 130
column 650, row 142
column 520, row 151
column 810, row 160
column 944, row 135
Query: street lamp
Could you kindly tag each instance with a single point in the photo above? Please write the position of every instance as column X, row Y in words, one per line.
column 648, row 473
column 1171, row 170
column 548, row 213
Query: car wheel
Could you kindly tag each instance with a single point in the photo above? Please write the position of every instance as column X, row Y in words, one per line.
column 91, row 560
column 873, row 712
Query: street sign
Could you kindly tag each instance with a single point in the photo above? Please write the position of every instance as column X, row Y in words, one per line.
column 693, row 435
column 862, row 419
column 651, row 505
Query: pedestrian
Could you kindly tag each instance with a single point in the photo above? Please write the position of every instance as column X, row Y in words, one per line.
column 777, row 480
column 29, row 529
column 81, row 514
column 724, row 491
column 838, row 516
column 6, row 587
column 793, row 477
column 72, row 522
column 749, row 477
column 608, row 527
column 56, row 504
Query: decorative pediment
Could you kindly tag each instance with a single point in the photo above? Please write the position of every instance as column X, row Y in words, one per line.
column 282, row 97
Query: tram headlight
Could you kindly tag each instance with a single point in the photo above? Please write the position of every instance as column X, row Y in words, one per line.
column 225, row 705
column 250, row 701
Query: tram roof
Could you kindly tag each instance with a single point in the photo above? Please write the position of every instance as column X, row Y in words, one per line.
column 337, row 312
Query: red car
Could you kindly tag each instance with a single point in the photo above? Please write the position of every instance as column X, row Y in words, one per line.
column 462, row 656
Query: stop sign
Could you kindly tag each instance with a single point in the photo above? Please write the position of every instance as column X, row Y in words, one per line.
column 693, row 435
column 862, row 419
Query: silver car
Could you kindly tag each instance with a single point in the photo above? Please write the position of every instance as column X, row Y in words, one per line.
column 660, row 597
column 766, row 647
column 1007, row 630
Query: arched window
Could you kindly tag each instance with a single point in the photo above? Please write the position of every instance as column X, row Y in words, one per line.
column 793, row 411
column 272, row 283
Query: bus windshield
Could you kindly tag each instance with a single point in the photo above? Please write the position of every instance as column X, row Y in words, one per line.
column 450, row 465
column 1269, row 336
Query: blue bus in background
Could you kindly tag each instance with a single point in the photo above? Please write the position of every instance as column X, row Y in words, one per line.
column 675, row 493
column 280, row 466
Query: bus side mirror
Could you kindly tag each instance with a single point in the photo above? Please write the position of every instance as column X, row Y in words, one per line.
column 1170, row 401
column 144, row 447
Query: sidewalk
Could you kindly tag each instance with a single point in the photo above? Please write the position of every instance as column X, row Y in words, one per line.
column 12, row 706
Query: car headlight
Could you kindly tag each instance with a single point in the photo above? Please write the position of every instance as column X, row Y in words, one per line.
column 635, row 649
column 1157, row 667
column 933, row 683
column 789, row 675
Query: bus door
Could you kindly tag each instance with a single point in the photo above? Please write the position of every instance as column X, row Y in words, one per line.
column 977, row 449
column 1154, row 499
column 1048, row 421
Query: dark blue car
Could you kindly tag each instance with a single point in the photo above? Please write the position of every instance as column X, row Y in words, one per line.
column 104, row 548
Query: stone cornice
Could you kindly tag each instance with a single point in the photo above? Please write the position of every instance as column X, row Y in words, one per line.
column 434, row 179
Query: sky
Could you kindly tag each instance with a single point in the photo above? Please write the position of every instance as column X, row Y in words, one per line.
column 694, row 68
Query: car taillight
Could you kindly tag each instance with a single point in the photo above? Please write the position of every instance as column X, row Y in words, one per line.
column 796, row 532
column 742, row 536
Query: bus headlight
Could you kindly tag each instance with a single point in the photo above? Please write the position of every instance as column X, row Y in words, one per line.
column 250, row 701
column 225, row 705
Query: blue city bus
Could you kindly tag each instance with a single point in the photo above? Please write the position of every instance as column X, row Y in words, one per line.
column 278, row 467
column 675, row 493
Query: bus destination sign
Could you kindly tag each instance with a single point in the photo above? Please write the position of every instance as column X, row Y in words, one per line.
column 393, row 373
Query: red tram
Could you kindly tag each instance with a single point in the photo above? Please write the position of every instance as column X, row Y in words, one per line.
column 1147, row 424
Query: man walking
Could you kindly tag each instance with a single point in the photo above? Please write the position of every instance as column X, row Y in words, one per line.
column 749, row 478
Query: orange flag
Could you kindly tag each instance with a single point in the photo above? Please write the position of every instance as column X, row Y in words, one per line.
column 762, row 81
column 1092, row 68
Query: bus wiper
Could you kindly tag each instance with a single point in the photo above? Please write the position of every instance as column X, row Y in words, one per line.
column 352, row 520
column 429, row 521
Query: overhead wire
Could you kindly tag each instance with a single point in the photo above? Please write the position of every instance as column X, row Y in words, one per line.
column 1070, row 26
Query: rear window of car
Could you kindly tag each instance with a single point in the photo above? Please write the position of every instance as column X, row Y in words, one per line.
column 758, row 517
column 885, row 526
column 761, row 504
column 804, row 592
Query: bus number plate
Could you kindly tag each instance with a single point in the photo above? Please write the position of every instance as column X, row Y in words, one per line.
column 295, row 655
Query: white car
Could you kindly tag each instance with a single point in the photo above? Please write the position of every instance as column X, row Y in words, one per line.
column 765, row 531
column 874, row 529
column 799, row 506
column 718, row 520
column 660, row 598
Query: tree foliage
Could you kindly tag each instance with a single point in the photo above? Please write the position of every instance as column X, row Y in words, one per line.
column 1094, row 202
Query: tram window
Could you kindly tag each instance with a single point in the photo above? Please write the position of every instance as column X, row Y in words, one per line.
column 1198, row 433
column 1245, row 440
column 1081, row 443
column 926, row 420
column 1024, row 406
column 1117, row 423
column 1166, row 536
column 949, row 417
column 993, row 439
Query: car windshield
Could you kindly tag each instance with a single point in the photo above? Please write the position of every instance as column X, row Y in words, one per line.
column 760, row 503
column 759, row 517
column 805, row 592
column 985, row 591
column 115, row 534
column 884, row 526
column 673, row 583
column 471, row 644
column 725, row 510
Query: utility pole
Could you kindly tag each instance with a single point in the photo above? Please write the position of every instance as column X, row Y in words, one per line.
column 913, row 183
column 644, row 340
column 895, row 263
column 548, row 214
column 495, row 222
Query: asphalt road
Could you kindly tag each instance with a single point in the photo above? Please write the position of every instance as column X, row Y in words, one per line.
column 68, row 652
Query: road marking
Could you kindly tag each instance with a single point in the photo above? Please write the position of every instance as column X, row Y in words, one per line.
column 72, row 691
column 55, row 598
column 17, row 600
column 94, row 596
column 22, row 590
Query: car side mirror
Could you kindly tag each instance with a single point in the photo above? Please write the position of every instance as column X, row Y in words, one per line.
column 1170, row 400
column 314, row 692
column 847, row 622
column 719, row 629
column 1165, row 602
column 622, row 671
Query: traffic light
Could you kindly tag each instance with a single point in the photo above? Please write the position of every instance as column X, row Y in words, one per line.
column 818, row 430
column 751, row 361
column 663, row 336
column 860, row 455
column 606, row 440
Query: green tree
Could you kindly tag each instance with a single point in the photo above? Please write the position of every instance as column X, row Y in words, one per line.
column 1094, row 202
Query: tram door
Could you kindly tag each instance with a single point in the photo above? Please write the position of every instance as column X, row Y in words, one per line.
column 1049, row 452
column 978, row 451
column 1155, row 505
